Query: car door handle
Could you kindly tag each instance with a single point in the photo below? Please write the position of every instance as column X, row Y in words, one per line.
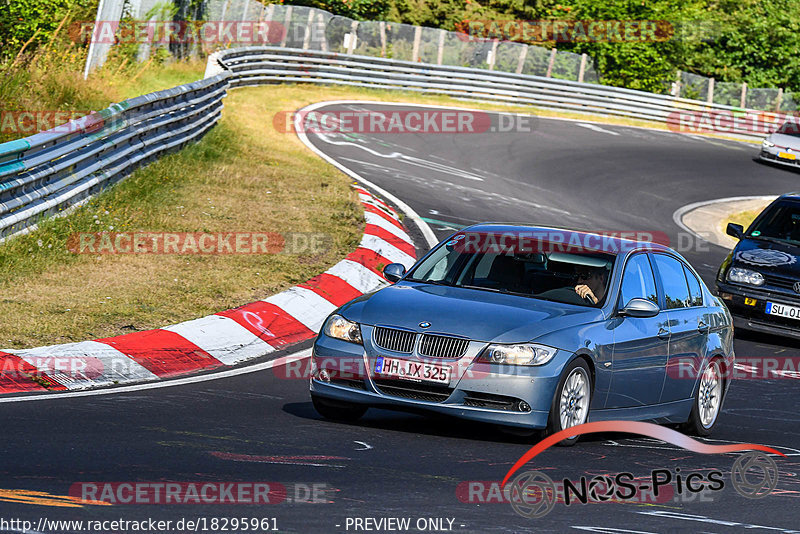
column 663, row 333
column 703, row 327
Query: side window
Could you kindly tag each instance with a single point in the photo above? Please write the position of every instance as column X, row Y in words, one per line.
column 638, row 281
column 676, row 290
column 695, row 293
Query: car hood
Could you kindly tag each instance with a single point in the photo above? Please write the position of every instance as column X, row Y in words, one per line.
column 475, row 314
column 768, row 257
column 786, row 141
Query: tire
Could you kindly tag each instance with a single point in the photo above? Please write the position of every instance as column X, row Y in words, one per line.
column 338, row 411
column 575, row 375
column 707, row 402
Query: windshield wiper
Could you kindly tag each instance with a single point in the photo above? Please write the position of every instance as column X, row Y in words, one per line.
column 432, row 281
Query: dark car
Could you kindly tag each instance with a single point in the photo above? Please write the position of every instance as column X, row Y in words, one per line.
column 550, row 330
column 760, row 279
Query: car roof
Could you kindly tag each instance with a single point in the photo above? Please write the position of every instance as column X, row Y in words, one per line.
column 790, row 196
column 619, row 245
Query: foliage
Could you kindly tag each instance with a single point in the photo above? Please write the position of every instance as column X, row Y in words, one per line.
column 21, row 20
column 755, row 41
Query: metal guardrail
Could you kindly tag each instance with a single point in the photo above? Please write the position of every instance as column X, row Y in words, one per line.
column 52, row 171
column 49, row 172
column 266, row 65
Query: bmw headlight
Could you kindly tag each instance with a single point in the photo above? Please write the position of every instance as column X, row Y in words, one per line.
column 767, row 144
column 524, row 354
column 745, row 276
column 340, row 328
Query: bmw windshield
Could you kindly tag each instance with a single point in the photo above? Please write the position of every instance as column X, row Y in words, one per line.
column 570, row 277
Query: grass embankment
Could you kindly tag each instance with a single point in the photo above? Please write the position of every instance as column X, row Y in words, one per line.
column 243, row 176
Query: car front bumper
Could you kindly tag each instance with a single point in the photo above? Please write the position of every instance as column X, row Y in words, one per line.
column 517, row 397
column 748, row 308
column 771, row 155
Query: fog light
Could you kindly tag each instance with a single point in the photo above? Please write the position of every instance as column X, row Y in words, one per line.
column 726, row 296
column 524, row 406
column 324, row 376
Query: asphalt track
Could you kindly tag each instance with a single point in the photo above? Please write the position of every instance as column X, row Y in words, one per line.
column 261, row 427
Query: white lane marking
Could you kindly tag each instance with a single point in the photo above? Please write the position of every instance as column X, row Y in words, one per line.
column 84, row 364
column 611, row 530
column 595, row 128
column 277, row 362
column 377, row 220
column 427, row 233
column 410, row 160
column 366, row 446
column 387, row 250
column 357, row 276
column 223, row 338
column 704, row 519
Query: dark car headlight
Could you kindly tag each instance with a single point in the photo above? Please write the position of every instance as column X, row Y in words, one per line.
column 745, row 276
column 340, row 328
column 523, row 354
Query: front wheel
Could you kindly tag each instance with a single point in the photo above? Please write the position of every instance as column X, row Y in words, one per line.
column 571, row 402
column 707, row 401
column 338, row 411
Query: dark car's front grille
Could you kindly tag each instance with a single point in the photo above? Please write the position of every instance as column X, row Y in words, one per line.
column 413, row 390
column 781, row 283
column 490, row 400
column 442, row 346
column 394, row 339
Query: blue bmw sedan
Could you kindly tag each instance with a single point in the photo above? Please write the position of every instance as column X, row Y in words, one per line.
column 532, row 328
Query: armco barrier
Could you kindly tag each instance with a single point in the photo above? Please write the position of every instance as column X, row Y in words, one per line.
column 269, row 64
column 47, row 173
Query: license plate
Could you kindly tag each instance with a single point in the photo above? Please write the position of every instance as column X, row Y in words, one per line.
column 786, row 155
column 412, row 370
column 792, row 312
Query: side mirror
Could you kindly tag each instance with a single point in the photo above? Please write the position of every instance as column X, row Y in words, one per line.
column 641, row 308
column 735, row 230
column 394, row 272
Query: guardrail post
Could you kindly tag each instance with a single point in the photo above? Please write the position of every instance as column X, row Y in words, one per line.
column 779, row 99
column 417, row 39
column 351, row 45
column 382, row 26
column 523, row 54
column 324, row 44
column 551, row 62
column 743, row 99
column 440, row 53
column 287, row 21
column 309, row 29
column 582, row 68
column 493, row 55
column 710, row 95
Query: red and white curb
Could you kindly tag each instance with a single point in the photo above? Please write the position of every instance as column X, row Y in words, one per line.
column 224, row 339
